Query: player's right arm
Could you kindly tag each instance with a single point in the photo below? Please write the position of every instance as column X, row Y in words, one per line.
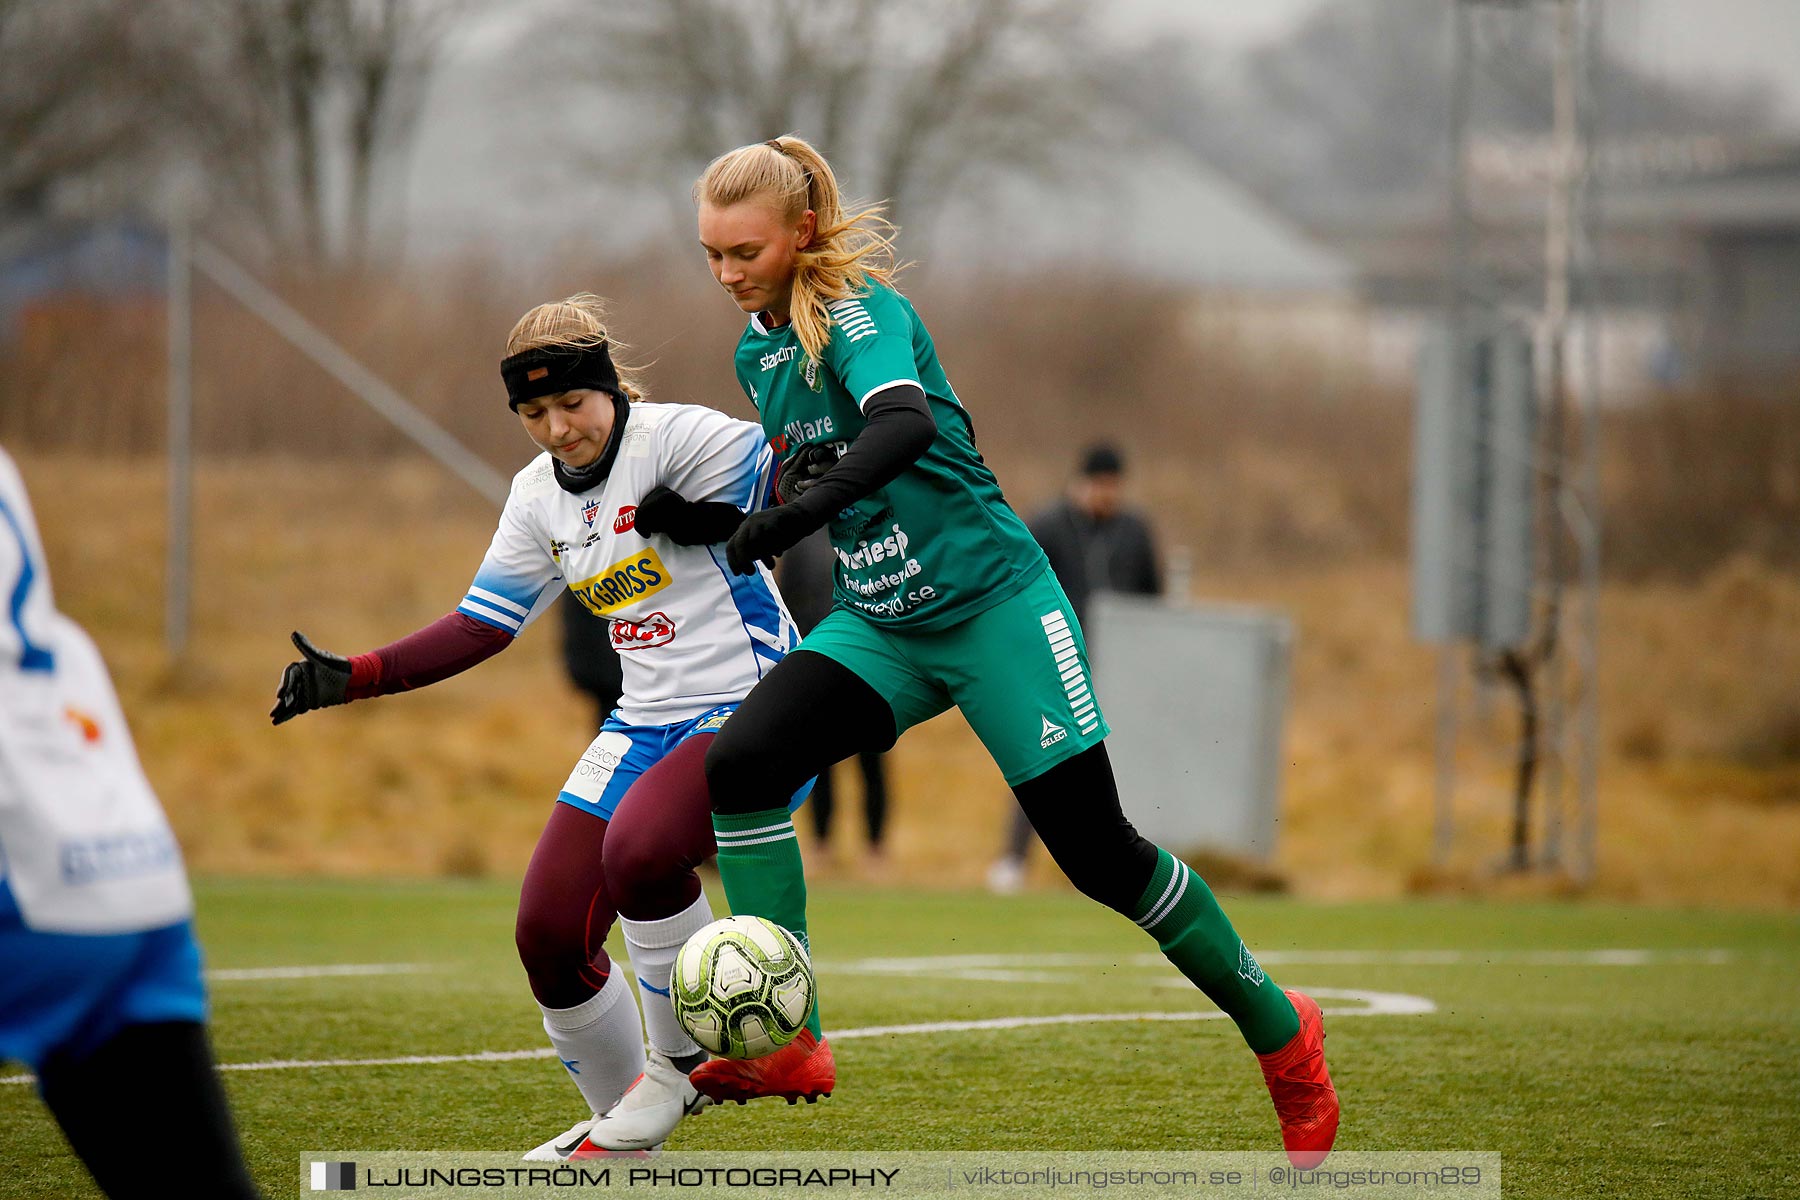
column 510, row 590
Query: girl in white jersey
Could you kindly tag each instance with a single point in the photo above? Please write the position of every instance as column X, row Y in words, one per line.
column 631, row 823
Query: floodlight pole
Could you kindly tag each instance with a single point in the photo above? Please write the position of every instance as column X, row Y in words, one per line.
column 1456, row 289
column 179, row 569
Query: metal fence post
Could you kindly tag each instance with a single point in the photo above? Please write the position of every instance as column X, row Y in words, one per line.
column 179, row 572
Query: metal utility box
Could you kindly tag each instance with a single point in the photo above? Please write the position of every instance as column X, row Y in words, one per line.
column 1196, row 697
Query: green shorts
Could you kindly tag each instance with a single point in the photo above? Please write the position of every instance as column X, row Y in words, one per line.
column 1018, row 671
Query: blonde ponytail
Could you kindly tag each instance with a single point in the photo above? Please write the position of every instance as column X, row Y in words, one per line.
column 578, row 322
column 848, row 248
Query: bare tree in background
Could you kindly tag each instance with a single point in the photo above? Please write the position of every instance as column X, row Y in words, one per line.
column 80, row 95
column 307, row 101
column 911, row 100
column 279, row 115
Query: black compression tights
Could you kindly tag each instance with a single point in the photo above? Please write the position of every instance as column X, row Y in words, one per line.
column 810, row 711
column 1074, row 806
column 806, row 714
column 146, row 1097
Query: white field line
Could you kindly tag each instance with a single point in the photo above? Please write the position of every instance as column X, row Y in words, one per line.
column 1037, row 968
column 323, row 971
column 1371, row 1004
column 1015, row 968
column 1018, row 968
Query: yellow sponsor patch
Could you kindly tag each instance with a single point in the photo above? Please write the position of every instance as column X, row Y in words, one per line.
column 624, row 583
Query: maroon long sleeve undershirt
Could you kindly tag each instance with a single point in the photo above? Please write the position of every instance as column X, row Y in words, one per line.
column 448, row 646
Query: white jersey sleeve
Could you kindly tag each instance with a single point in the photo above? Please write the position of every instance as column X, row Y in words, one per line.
column 513, row 586
column 707, row 456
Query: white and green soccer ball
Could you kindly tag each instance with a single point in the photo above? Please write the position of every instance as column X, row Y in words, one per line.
column 742, row 987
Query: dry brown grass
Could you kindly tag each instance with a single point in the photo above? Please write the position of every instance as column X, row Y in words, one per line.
column 1700, row 796
column 1260, row 458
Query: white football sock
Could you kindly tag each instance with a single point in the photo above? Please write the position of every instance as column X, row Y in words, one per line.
column 653, row 946
column 600, row 1042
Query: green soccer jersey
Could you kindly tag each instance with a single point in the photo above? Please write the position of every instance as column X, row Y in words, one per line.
column 938, row 544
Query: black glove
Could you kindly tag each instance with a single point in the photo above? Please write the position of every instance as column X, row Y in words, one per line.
column 683, row 521
column 318, row 680
column 803, row 468
column 765, row 534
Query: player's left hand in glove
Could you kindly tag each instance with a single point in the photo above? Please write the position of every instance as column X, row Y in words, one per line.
column 766, row 534
column 686, row 522
column 318, row 680
column 804, row 468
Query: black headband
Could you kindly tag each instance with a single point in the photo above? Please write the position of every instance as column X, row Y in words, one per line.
column 547, row 370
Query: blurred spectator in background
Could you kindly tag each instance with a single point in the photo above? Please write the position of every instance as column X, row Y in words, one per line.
column 805, row 575
column 589, row 657
column 1094, row 544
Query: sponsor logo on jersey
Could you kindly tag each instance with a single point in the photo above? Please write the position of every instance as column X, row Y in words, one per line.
column 868, row 553
column 116, row 856
column 713, row 723
column 654, row 630
column 85, row 724
column 806, row 431
column 558, row 548
column 590, row 510
column 626, row 520
column 1053, row 733
column 775, row 358
column 898, row 604
column 624, row 583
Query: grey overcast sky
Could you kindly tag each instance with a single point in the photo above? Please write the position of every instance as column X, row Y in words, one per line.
column 457, row 194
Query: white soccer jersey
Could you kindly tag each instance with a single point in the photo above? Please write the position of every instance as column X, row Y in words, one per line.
column 84, row 846
column 690, row 634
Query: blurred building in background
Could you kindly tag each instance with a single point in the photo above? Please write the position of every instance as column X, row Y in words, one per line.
column 1699, row 255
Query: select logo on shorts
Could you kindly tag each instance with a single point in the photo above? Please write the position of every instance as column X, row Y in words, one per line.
column 624, row 583
column 654, row 630
column 333, row 1177
column 626, row 519
column 1053, row 733
column 589, row 511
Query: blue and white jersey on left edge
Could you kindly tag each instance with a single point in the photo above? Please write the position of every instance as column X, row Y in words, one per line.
column 84, row 845
column 691, row 636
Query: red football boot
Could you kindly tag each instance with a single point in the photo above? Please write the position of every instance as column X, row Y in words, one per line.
column 1305, row 1101
column 801, row 1070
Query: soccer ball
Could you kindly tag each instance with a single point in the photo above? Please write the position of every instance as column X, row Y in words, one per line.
column 742, row 987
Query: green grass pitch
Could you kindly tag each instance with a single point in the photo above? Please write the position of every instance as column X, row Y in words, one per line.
column 1675, row 1072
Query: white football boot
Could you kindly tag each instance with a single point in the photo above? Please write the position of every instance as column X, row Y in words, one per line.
column 649, row 1110
column 573, row 1144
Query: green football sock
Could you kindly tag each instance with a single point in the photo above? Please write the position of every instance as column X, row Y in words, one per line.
column 1193, row 932
column 760, row 865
